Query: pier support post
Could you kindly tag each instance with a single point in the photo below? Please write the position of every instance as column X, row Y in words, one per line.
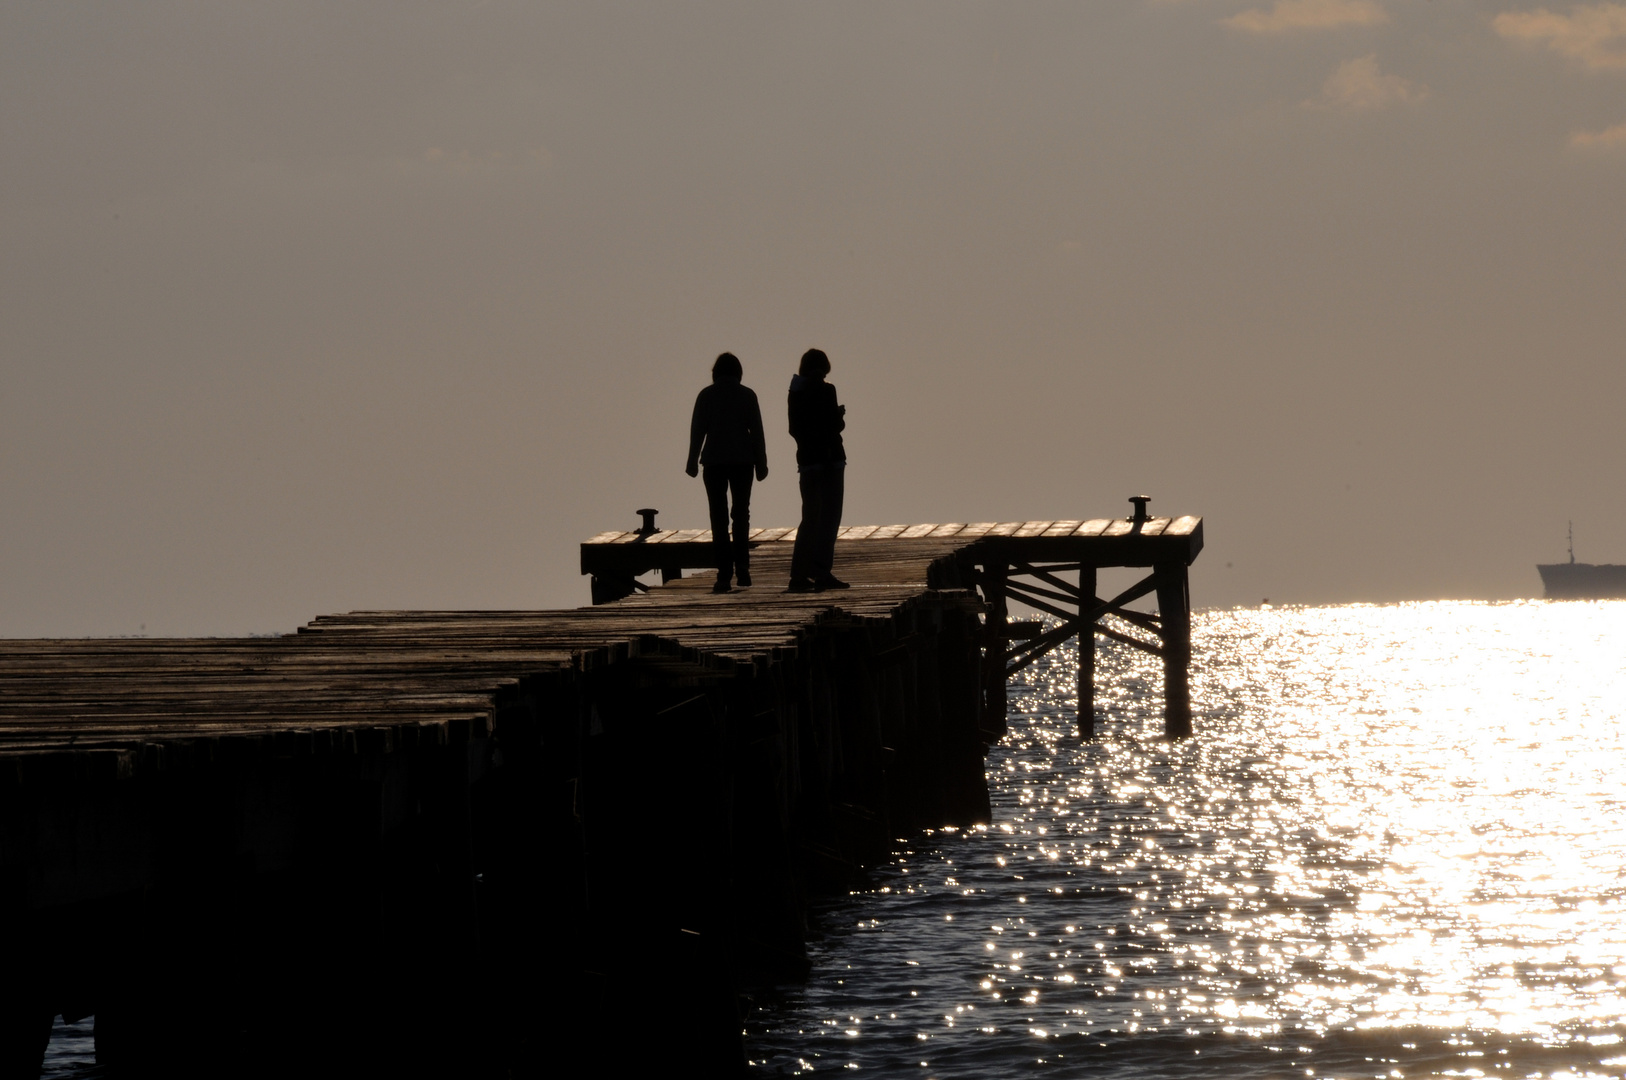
column 1174, row 615
column 609, row 588
column 1086, row 654
column 994, row 575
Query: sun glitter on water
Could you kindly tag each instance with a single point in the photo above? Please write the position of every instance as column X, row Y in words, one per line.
column 1396, row 843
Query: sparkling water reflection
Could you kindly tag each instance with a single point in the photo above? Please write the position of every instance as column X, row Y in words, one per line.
column 1395, row 848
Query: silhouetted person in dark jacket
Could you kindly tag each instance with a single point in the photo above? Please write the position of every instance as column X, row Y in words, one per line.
column 816, row 423
column 726, row 437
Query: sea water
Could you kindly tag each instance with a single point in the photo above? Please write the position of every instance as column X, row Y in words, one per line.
column 1395, row 847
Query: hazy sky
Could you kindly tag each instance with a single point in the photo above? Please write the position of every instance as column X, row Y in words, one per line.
column 312, row 307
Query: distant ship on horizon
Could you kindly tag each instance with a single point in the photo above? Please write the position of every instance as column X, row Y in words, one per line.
column 1582, row 581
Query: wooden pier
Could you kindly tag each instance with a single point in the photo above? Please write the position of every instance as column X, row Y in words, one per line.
column 467, row 843
column 1022, row 561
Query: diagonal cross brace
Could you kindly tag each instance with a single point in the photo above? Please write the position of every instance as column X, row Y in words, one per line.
column 1029, row 594
column 1029, row 651
column 1069, row 591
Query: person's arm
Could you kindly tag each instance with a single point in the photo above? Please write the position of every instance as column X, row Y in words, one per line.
column 697, row 433
column 759, row 442
column 796, row 406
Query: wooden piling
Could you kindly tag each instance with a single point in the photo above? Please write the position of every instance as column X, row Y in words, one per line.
column 1174, row 610
column 1086, row 653
column 994, row 575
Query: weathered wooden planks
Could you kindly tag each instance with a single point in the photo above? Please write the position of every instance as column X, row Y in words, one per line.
column 1094, row 527
column 414, row 667
column 1098, row 542
column 409, row 668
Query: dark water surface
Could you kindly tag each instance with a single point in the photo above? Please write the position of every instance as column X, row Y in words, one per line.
column 72, row 1051
column 1396, row 847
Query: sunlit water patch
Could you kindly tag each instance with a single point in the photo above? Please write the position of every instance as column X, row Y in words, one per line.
column 1395, row 848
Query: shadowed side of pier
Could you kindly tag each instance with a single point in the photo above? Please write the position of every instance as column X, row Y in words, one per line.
column 459, row 840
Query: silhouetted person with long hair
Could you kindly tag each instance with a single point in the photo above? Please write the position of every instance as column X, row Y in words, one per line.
column 816, row 423
column 726, row 437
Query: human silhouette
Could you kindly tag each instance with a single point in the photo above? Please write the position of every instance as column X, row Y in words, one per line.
column 726, row 437
column 816, row 423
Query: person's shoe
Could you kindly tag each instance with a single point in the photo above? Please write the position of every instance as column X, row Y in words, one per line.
column 829, row 581
column 743, row 579
column 800, row 585
column 721, row 586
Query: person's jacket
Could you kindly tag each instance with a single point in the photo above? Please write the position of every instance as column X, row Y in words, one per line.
column 816, row 422
column 727, row 427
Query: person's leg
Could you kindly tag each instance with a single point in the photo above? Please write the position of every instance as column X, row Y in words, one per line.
column 715, row 478
column 834, row 495
column 830, row 524
column 802, row 555
column 740, row 483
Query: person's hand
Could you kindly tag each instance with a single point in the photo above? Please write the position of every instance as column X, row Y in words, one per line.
column 692, row 469
column 762, row 473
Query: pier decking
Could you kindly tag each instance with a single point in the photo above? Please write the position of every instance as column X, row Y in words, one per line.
column 371, row 842
column 1015, row 560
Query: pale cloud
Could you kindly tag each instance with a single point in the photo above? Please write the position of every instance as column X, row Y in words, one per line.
column 1359, row 86
column 1594, row 34
column 1290, row 15
column 1608, row 139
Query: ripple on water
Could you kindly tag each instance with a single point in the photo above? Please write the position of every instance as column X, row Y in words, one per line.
column 1395, row 847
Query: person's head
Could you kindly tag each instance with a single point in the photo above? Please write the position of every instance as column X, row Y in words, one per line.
column 815, row 364
column 727, row 369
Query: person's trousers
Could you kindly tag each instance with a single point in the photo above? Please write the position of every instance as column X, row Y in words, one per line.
column 718, row 480
column 815, row 552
